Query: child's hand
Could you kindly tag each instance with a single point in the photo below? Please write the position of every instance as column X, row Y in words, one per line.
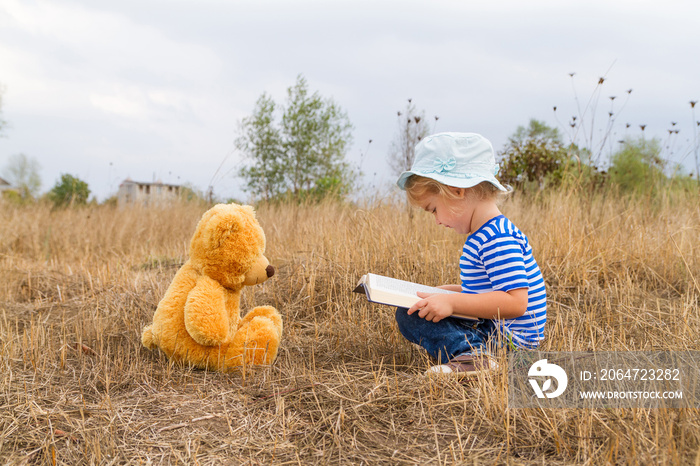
column 433, row 307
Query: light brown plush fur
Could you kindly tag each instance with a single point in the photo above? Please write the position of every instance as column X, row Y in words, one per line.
column 198, row 321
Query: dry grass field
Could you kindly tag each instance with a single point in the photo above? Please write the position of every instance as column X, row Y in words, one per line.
column 77, row 387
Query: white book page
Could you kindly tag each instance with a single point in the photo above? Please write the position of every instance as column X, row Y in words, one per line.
column 395, row 292
column 397, row 286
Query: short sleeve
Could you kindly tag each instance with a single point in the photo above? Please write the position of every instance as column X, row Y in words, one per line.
column 504, row 263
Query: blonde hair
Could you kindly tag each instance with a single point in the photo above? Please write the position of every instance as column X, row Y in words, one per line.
column 419, row 187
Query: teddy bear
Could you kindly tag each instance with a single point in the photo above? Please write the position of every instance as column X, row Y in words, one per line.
column 198, row 321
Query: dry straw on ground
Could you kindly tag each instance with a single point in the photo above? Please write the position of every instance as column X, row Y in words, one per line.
column 76, row 387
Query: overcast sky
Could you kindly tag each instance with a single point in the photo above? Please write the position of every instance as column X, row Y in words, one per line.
column 155, row 89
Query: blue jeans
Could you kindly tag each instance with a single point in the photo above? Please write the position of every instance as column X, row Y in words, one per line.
column 450, row 337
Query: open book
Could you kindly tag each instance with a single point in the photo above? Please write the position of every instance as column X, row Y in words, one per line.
column 394, row 292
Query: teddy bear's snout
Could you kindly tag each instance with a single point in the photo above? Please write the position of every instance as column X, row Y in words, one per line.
column 270, row 270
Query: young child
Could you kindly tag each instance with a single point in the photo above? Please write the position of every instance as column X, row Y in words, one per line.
column 452, row 177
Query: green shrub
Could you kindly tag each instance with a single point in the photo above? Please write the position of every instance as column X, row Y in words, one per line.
column 637, row 167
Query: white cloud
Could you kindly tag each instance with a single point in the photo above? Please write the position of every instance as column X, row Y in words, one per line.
column 68, row 55
column 122, row 104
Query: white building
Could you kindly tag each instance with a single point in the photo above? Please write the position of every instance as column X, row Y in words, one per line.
column 147, row 194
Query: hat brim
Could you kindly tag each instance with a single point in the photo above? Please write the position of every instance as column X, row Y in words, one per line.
column 452, row 181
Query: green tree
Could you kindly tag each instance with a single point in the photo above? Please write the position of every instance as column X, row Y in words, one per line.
column 638, row 167
column 304, row 154
column 22, row 172
column 190, row 194
column 534, row 155
column 261, row 141
column 69, row 191
column 412, row 128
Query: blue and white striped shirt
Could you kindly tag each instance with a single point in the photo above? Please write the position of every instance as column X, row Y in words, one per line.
column 498, row 256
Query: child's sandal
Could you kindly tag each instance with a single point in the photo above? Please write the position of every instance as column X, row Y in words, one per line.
column 465, row 366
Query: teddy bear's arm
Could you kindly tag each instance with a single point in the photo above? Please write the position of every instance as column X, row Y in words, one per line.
column 206, row 319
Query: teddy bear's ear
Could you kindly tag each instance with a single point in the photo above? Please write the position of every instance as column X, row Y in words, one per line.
column 248, row 210
column 231, row 219
column 224, row 224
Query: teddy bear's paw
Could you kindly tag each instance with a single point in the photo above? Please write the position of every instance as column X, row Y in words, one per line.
column 206, row 339
column 268, row 312
column 258, row 341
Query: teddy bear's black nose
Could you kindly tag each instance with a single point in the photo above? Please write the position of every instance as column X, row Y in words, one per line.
column 270, row 271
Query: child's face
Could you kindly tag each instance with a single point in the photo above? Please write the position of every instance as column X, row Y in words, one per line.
column 456, row 214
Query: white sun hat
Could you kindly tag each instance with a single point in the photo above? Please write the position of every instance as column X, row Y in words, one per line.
column 460, row 160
